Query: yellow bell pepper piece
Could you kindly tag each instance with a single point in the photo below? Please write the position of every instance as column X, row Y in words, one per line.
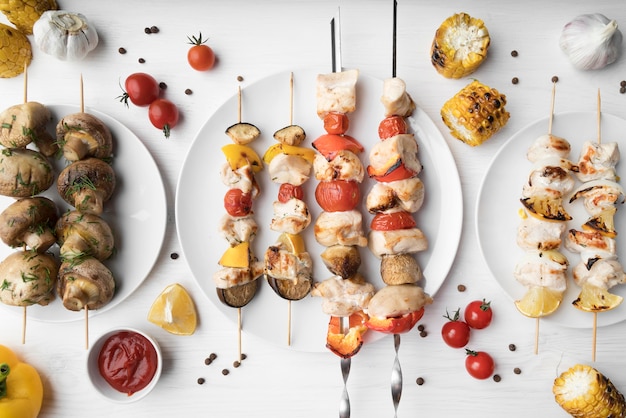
column 21, row 390
column 306, row 153
column 241, row 155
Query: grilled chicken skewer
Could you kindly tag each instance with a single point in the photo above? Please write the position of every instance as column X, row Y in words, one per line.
column 542, row 269
column 394, row 237
column 288, row 266
column 598, row 270
column 236, row 281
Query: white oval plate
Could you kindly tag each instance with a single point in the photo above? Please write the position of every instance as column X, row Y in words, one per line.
column 498, row 204
column 137, row 213
column 199, row 201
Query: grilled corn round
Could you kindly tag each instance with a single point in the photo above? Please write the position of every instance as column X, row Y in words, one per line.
column 15, row 51
column 460, row 46
column 24, row 13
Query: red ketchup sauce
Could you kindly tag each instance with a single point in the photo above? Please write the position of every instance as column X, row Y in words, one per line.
column 127, row 361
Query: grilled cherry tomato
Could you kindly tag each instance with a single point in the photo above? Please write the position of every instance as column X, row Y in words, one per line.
column 329, row 145
column 396, row 325
column 392, row 126
column 455, row 333
column 337, row 195
column 479, row 364
column 336, row 123
column 392, row 221
column 141, row 88
column 237, row 203
column 400, row 172
column 200, row 56
column 288, row 191
column 164, row 115
column 478, row 314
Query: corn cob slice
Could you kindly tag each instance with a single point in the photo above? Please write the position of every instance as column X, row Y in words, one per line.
column 583, row 391
column 15, row 51
column 24, row 13
column 475, row 113
column 460, row 46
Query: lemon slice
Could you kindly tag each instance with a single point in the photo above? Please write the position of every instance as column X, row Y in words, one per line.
column 237, row 256
column 596, row 299
column 292, row 243
column 174, row 311
column 539, row 301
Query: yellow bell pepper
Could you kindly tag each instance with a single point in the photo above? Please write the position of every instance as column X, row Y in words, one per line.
column 21, row 390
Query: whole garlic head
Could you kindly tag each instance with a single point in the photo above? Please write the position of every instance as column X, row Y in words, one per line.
column 591, row 41
column 65, row 35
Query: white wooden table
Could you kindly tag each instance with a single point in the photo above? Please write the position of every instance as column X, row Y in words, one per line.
column 257, row 39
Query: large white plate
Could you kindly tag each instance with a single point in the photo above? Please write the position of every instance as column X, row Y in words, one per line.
column 137, row 213
column 199, row 201
column 498, row 204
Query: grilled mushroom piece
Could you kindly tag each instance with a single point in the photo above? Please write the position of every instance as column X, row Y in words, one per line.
column 82, row 135
column 84, row 234
column 21, row 124
column 85, row 283
column 29, row 222
column 87, row 184
column 28, row 278
column 24, row 172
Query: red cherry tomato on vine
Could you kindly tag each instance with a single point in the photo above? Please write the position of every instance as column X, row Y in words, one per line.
column 164, row 115
column 200, row 56
column 141, row 88
column 479, row 364
column 478, row 314
column 455, row 333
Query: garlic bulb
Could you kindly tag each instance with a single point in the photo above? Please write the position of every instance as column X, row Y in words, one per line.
column 65, row 35
column 591, row 41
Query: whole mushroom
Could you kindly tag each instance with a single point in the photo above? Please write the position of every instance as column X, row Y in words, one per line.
column 85, row 283
column 84, row 234
column 87, row 184
column 28, row 278
column 29, row 222
column 24, row 172
column 81, row 135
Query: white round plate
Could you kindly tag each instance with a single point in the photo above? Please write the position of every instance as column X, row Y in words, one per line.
column 137, row 214
column 199, row 200
column 498, row 204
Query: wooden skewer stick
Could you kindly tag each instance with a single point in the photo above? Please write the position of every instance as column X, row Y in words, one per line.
column 24, row 314
column 290, row 123
column 86, row 327
column 239, row 335
column 82, row 96
column 24, row 326
column 25, row 83
column 594, row 331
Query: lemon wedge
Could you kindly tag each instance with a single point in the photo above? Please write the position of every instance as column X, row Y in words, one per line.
column 292, row 243
column 174, row 311
column 539, row 301
column 596, row 299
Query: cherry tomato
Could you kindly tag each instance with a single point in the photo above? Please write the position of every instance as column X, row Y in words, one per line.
column 164, row 115
column 200, row 56
column 141, row 88
column 392, row 221
column 400, row 172
column 455, row 333
column 478, row 314
column 288, row 191
column 337, row 195
column 479, row 364
column 392, row 126
column 329, row 145
column 336, row 123
column 237, row 203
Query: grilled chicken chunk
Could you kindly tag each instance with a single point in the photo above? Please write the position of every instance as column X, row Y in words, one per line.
column 542, row 269
column 345, row 165
column 343, row 297
column 343, row 228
